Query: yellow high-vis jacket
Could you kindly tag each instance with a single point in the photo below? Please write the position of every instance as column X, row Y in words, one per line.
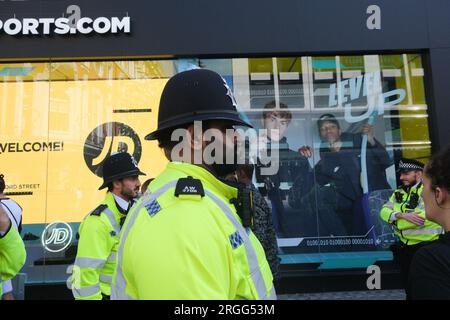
column 409, row 233
column 184, row 240
column 97, row 248
column 12, row 255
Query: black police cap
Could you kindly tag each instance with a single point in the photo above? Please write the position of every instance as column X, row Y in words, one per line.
column 117, row 166
column 195, row 95
column 406, row 165
column 327, row 117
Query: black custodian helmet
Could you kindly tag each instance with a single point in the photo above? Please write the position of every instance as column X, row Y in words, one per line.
column 117, row 166
column 195, row 95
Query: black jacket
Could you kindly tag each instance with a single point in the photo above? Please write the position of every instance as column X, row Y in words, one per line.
column 343, row 168
column 292, row 165
column 265, row 231
column 429, row 276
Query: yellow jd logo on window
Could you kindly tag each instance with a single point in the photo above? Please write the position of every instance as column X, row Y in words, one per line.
column 107, row 139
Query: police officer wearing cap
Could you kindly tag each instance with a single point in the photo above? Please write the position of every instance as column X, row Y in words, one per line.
column 405, row 211
column 99, row 231
column 189, row 236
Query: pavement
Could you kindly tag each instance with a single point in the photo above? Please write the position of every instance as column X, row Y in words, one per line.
column 347, row 295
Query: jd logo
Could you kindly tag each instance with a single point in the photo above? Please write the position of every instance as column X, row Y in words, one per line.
column 56, row 236
column 107, row 139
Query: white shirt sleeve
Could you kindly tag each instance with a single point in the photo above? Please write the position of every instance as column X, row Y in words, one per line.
column 14, row 212
column 7, row 286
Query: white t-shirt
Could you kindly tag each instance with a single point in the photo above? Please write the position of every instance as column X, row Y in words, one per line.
column 14, row 212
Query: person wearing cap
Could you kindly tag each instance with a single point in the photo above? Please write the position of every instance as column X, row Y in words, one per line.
column 189, row 236
column 99, row 231
column 405, row 211
column 12, row 249
column 340, row 168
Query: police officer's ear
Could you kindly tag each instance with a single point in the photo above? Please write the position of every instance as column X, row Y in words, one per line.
column 117, row 184
column 419, row 174
column 442, row 196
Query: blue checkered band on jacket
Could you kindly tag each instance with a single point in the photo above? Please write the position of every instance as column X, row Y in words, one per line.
column 153, row 208
column 236, row 240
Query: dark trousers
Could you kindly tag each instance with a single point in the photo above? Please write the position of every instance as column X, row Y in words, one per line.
column 403, row 255
column 278, row 212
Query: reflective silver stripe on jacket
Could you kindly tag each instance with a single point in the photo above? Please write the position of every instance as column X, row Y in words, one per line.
column 273, row 294
column 112, row 220
column 89, row 263
column 389, row 205
column 118, row 289
column 418, row 232
column 257, row 277
column 421, row 205
column 112, row 257
column 106, row 279
column 86, row 291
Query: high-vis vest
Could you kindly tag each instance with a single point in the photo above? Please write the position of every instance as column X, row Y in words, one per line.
column 408, row 232
column 14, row 212
column 179, row 242
column 97, row 250
column 12, row 255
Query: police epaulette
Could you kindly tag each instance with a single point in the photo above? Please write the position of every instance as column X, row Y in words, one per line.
column 189, row 186
column 99, row 210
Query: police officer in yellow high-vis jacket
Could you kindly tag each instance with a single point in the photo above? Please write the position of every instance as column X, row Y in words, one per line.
column 12, row 249
column 190, row 237
column 99, row 231
column 405, row 211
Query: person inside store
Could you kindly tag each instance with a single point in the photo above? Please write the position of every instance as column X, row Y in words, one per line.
column 429, row 276
column 339, row 168
column 292, row 166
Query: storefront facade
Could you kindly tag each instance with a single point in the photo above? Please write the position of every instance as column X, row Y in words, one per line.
column 80, row 81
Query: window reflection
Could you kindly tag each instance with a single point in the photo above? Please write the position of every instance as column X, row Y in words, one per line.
column 315, row 197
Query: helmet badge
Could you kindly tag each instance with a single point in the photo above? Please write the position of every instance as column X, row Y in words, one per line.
column 229, row 93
